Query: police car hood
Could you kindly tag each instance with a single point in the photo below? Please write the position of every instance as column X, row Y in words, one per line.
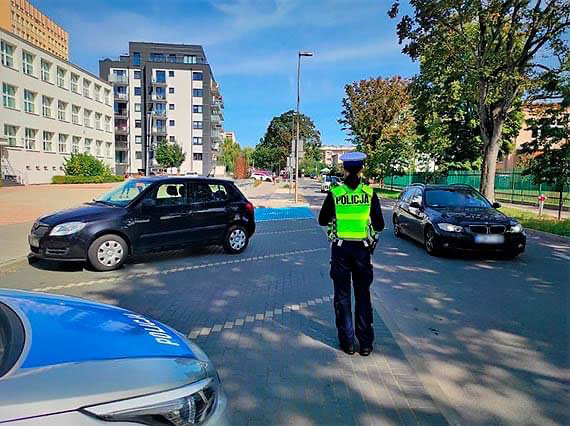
column 80, row 353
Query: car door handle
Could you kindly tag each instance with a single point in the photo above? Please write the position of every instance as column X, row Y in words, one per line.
column 171, row 216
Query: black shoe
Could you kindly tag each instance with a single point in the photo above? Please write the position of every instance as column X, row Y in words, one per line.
column 366, row 351
column 347, row 348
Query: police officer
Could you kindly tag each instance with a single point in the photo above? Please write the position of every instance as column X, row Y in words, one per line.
column 354, row 216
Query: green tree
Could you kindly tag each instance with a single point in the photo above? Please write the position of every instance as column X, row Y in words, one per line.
column 377, row 117
column 549, row 150
column 275, row 146
column 230, row 150
column 85, row 165
column 506, row 44
column 169, row 155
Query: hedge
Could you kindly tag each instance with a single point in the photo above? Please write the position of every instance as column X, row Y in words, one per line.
column 86, row 179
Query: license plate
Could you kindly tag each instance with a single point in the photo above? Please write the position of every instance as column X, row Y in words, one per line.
column 34, row 241
column 489, row 239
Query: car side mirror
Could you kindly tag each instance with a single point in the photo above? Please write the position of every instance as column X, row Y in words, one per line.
column 496, row 205
column 148, row 203
column 415, row 205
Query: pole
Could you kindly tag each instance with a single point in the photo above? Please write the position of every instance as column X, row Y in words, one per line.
column 297, row 136
column 148, row 143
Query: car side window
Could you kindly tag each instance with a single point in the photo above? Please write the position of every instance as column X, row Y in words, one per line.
column 407, row 194
column 416, row 196
column 170, row 194
column 219, row 192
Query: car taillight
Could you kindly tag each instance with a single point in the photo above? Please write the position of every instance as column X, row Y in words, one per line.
column 249, row 207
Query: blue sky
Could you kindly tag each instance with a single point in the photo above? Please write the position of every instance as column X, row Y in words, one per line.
column 251, row 46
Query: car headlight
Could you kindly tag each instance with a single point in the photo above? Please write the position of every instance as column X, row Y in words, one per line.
column 67, row 228
column 515, row 228
column 188, row 405
column 449, row 227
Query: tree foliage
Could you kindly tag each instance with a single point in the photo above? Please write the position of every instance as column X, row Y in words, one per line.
column 503, row 42
column 273, row 149
column 377, row 116
column 85, row 165
column 169, row 155
column 230, row 150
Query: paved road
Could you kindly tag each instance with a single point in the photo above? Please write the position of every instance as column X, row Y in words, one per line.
column 489, row 336
column 265, row 317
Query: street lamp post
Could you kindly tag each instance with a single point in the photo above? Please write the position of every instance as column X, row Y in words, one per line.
column 301, row 53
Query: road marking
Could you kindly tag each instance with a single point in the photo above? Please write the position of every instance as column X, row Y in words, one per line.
column 561, row 255
column 177, row 269
column 217, row 328
column 312, row 229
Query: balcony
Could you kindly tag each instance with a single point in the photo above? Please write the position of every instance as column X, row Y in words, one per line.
column 118, row 79
column 120, row 130
column 159, row 114
column 217, row 137
column 121, row 146
column 121, row 96
column 159, row 131
column 158, row 98
column 123, row 114
column 216, row 120
column 159, row 83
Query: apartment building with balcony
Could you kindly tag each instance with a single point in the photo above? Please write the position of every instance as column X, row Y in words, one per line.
column 25, row 21
column 164, row 92
column 331, row 153
column 50, row 109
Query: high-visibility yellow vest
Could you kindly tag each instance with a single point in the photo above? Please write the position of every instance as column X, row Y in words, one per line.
column 352, row 210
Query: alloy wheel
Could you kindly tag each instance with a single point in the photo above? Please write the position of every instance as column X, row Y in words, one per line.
column 110, row 253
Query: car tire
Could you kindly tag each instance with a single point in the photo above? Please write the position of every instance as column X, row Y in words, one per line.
column 236, row 239
column 107, row 253
column 430, row 242
column 512, row 254
column 397, row 230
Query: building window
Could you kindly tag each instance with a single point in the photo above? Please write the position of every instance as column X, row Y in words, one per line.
column 60, row 77
column 30, row 138
column 98, row 148
column 137, row 75
column 197, row 156
column 108, row 149
column 136, row 58
column 138, row 139
column 87, row 146
column 171, row 90
column 48, row 139
column 7, row 54
column 172, row 60
column 172, row 138
column 46, row 70
column 62, row 147
column 86, row 88
column 196, row 140
column 137, row 91
column 75, row 144
column 29, row 101
column 137, row 107
column 171, row 107
column 107, row 96
column 62, row 111
column 75, row 114
column 189, row 59
column 9, row 95
column 46, row 106
column 138, row 155
column 160, row 77
column 107, row 123
column 171, row 73
column 27, row 63
column 197, row 93
column 171, row 123
column 86, row 118
column 10, row 133
column 138, row 124
column 74, row 83
column 197, row 125
column 197, row 76
column 98, row 121
column 157, row 57
column 97, row 90
column 197, row 109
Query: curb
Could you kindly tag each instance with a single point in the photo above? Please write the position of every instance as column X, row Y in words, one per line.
column 553, row 237
column 6, row 267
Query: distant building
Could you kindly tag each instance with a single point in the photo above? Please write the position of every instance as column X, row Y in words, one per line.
column 50, row 109
column 165, row 93
column 21, row 18
column 231, row 136
column 331, row 153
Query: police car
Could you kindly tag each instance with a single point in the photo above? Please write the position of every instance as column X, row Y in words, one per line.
column 67, row 361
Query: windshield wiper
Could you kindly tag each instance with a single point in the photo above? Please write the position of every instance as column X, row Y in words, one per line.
column 104, row 202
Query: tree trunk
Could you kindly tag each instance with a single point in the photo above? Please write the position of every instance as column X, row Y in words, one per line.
column 491, row 140
column 560, row 204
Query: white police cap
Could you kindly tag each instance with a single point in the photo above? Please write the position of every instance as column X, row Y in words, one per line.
column 353, row 159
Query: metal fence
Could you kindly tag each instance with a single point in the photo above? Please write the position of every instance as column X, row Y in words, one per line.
column 510, row 185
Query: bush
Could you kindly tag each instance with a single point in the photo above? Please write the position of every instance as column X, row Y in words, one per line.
column 85, row 165
column 86, row 179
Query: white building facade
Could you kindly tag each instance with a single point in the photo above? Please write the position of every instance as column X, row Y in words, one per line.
column 331, row 153
column 50, row 109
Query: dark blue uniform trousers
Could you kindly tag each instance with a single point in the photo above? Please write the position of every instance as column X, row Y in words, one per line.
column 350, row 262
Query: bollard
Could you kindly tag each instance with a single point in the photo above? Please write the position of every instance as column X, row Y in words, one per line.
column 541, row 199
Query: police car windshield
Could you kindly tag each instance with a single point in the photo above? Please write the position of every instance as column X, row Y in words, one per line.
column 455, row 198
column 124, row 193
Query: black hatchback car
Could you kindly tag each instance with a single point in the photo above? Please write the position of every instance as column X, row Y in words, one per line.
column 143, row 215
column 455, row 217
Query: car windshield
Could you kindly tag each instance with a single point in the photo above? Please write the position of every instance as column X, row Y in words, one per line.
column 335, row 179
column 125, row 193
column 455, row 198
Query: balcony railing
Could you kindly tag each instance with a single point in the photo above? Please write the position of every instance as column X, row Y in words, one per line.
column 121, row 130
column 156, row 82
column 159, row 114
column 216, row 119
column 121, row 96
column 124, row 114
column 120, row 145
column 120, row 79
column 158, row 98
column 159, row 130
